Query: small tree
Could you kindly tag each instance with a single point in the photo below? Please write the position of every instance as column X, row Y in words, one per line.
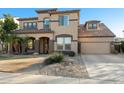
column 8, row 26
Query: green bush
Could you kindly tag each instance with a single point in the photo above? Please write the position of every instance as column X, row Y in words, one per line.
column 55, row 58
column 68, row 53
column 122, row 45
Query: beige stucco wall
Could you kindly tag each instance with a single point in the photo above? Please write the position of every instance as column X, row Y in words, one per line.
column 41, row 18
column 97, row 39
column 74, row 46
column 71, row 29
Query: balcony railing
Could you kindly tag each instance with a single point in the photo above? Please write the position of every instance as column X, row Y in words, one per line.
column 44, row 30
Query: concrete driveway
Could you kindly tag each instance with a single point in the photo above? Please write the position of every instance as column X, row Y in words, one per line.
column 105, row 67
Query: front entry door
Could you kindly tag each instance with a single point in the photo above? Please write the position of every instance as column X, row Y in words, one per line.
column 44, row 45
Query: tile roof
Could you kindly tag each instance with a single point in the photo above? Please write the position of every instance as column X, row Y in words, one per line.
column 103, row 32
column 46, row 11
column 67, row 11
column 29, row 18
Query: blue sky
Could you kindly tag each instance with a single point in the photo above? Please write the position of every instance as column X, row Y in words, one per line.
column 112, row 17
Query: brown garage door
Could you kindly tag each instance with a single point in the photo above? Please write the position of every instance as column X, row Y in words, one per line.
column 95, row 48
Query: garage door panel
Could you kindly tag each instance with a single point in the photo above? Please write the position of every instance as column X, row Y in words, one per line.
column 95, row 48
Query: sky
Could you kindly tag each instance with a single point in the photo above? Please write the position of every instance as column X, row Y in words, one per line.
column 112, row 17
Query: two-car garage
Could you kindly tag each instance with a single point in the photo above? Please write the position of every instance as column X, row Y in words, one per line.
column 95, row 48
column 95, row 45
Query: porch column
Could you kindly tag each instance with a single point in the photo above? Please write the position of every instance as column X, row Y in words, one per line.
column 23, row 46
column 36, row 45
column 51, row 46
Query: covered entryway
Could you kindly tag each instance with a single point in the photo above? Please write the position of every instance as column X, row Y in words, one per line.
column 44, row 45
column 95, row 48
column 16, row 47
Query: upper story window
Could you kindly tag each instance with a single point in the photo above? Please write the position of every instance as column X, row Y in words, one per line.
column 64, row 20
column 92, row 26
column 46, row 23
column 30, row 25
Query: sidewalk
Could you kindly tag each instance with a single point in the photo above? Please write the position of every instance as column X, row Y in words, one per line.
column 19, row 78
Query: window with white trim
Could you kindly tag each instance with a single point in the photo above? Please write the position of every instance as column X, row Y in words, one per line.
column 63, row 43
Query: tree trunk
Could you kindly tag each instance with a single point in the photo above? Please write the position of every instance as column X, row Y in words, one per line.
column 2, row 48
column 8, row 49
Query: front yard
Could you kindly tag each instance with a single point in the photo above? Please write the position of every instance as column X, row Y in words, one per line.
column 32, row 64
column 15, row 63
column 99, row 69
column 9, row 57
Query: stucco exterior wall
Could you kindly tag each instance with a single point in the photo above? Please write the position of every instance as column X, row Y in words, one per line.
column 41, row 18
column 97, row 39
column 71, row 29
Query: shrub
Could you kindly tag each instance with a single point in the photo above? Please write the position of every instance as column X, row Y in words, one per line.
column 55, row 58
column 69, row 53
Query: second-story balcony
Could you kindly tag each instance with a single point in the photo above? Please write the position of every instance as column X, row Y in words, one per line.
column 33, row 31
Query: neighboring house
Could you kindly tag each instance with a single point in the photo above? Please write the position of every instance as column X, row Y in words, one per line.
column 54, row 30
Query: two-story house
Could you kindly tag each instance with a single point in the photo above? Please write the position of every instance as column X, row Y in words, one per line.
column 54, row 30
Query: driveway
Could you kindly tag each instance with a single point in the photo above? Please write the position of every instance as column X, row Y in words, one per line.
column 105, row 67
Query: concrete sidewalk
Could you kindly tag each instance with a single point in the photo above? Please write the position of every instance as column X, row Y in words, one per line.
column 19, row 78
